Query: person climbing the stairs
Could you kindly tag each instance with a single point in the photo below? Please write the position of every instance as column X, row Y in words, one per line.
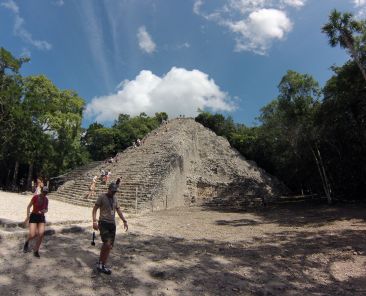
column 92, row 187
column 107, row 204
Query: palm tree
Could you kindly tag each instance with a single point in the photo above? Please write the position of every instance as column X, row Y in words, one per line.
column 340, row 30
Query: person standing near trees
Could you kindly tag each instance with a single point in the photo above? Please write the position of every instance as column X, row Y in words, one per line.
column 36, row 220
column 107, row 204
column 39, row 186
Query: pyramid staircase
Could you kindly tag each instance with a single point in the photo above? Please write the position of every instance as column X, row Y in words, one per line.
column 141, row 170
column 72, row 175
column 179, row 163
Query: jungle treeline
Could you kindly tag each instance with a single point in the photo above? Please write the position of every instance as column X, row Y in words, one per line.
column 312, row 138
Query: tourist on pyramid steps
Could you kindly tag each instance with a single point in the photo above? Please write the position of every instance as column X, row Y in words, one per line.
column 108, row 205
column 118, row 181
column 92, row 187
column 36, row 220
column 102, row 174
column 108, row 175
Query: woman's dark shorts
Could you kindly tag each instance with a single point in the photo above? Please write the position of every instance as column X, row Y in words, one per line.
column 107, row 232
column 37, row 218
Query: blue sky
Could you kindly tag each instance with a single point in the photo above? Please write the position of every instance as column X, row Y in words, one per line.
column 129, row 56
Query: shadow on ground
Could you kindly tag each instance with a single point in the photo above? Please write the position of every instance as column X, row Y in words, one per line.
column 284, row 263
column 304, row 213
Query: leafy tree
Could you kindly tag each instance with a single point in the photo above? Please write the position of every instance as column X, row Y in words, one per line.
column 217, row 122
column 101, row 141
column 287, row 124
column 10, row 97
column 342, row 124
column 160, row 116
column 57, row 114
column 343, row 30
column 9, row 62
column 11, row 113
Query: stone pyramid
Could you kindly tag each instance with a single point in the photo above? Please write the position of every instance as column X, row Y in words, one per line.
column 181, row 163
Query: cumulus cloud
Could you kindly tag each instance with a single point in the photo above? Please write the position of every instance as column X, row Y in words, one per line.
column 360, row 5
column 256, row 24
column 145, row 41
column 20, row 30
column 260, row 29
column 180, row 91
column 359, row 2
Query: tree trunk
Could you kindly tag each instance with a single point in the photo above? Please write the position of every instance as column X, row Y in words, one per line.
column 322, row 173
column 8, row 178
column 15, row 174
column 30, row 176
column 327, row 184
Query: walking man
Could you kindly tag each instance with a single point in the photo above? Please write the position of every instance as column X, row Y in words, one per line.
column 107, row 204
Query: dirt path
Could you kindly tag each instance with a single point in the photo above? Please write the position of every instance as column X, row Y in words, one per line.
column 292, row 250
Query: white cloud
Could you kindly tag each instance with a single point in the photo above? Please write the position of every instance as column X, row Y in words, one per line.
column 19, row 29
column 184, row 45
column 95, row 35
column 294, row 3
column 10, row 4
column 145, row 41
column 180, row 91
column 260, row 29
column 359, row 3
column 197, row 6
column 256, row 24
column 59, row 3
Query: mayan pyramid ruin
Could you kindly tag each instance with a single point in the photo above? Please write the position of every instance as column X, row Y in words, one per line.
column 181, row 163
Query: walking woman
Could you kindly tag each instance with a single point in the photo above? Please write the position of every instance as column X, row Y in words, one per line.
column 39, row 186
column 36, row 220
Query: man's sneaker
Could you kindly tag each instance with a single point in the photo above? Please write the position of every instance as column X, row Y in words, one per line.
column 102, row 268
column 26, row 247
column 36, row 254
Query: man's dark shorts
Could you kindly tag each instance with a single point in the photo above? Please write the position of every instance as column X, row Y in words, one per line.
column 107, row 232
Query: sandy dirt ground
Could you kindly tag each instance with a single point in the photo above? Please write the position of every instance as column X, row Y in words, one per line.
column 293, row 249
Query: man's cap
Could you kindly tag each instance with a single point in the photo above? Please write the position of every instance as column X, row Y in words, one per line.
column 45, row 189
column 113, row 187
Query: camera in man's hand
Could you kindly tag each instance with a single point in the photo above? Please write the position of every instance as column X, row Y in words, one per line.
column 93, row 239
